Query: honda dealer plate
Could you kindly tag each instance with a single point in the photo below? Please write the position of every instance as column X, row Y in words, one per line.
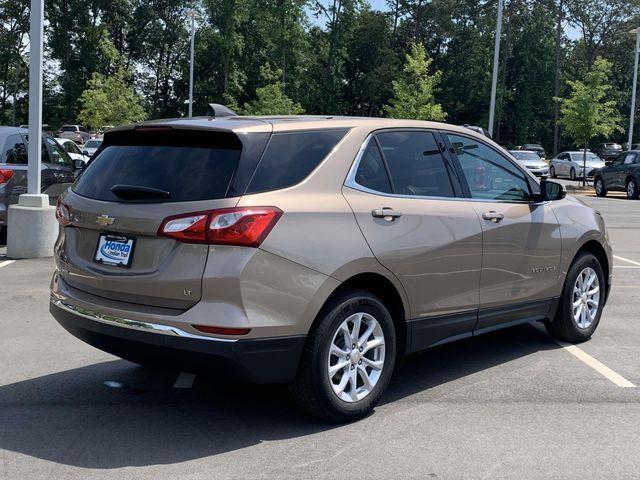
column 116, row 250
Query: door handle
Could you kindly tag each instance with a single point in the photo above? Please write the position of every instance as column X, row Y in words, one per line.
column 495, row 217
column 389, row 214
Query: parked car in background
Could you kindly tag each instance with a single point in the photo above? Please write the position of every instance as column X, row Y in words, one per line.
column 73, row 149
column 58, row 169
column 45, row 129
column 477, row 129
column 621, row 174
column 534, row 147
column 571, row 164
column 532, row 161
column 76, row 133
column 634, row 146
column 316, row 251
column 90, row 147
column 609, row 150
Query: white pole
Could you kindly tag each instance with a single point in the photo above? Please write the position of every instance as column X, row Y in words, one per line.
column 35, row 97
column 633, row 90
column 496, row 59
column 193, row 34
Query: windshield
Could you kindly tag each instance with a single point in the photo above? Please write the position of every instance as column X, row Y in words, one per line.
column 93, row 144
column 591, row 158
column 525, row 155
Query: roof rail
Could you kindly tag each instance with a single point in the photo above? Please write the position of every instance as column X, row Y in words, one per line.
column 217, row 110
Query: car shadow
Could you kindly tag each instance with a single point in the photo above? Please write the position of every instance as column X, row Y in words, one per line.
column 74, row 418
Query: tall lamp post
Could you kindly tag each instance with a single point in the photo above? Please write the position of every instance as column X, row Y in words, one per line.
column 496, row 59
column 194, row 15
column 635, row 31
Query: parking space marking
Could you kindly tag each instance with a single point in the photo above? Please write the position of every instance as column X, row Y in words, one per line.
column 626, row 266
column 633, row 262
column 184, row 380
column 598, row 366
column 6, row 262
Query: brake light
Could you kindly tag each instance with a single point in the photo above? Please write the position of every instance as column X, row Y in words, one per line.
column 245, row 226
column 62, row 213
column 5, row 176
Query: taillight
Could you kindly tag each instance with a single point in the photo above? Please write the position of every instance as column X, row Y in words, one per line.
column 222, row 330
column 62, row 213
column 5, row 176
column 245, row 226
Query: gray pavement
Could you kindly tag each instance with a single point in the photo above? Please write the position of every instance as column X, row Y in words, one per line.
column 512, row 404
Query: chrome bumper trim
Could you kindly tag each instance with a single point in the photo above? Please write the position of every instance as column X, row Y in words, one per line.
column 60, row 302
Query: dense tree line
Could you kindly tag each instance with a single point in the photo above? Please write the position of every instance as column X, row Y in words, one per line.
column 321, row 56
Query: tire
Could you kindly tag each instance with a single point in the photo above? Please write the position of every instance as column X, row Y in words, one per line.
column 316, row 389
column 598, row 185
column 632, row 188
column 572, row 174
column 552, row 171
column 564, row 325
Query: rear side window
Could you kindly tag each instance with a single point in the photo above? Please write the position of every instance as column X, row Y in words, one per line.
column 190, row 165
column 15, row 150
column 415, row 164
column 291, row 157
column 371, row 172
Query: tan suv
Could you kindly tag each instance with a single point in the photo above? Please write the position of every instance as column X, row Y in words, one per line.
column 316, row 251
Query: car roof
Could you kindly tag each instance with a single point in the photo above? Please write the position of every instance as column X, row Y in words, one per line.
column 579, row 152
column 283, row 123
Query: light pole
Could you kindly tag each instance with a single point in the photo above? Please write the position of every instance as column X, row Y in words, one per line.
column 35, row 97
column 635, row 84
column 496, row 59
column 193, row 37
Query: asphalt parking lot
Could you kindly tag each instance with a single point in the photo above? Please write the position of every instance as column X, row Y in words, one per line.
column 511, row 404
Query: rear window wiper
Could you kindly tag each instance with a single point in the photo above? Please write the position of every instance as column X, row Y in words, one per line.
column 136, row 192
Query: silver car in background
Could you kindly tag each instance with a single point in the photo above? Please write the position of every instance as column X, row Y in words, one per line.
column 571, row 164
column 531, row 161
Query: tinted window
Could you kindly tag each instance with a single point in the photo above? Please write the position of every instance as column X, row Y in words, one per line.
column 14, row 150
column 630, row 159
column 415, row 164
column 291, row 157
column 93, row 143
column 58, row 155
column 371, row 171
column 489, row 174
column 71, row 147
column 191, row 166
column 69, row 128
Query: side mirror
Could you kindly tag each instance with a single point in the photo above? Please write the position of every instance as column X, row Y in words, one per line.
column 550, row 191
column 78, row 164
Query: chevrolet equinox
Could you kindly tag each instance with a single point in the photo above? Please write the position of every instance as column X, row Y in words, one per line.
column 316, row 251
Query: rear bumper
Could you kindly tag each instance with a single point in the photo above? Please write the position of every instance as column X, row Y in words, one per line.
column 264, row 360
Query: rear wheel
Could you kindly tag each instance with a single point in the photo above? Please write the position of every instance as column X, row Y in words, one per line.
column 581, row 302
column 572, row 174
column 599, row 187
column 632, row 188
column 552, row 171
column 348, row 358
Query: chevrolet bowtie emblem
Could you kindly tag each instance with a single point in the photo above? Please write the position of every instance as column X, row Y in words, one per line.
column 105, row 220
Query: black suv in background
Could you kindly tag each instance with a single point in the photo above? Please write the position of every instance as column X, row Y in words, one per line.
column 609, row 151
column 58, row 170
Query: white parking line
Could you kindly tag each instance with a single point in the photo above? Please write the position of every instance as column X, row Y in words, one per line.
column 633, row 262
column 626, row 266
column 184, row 380
column 6, row 262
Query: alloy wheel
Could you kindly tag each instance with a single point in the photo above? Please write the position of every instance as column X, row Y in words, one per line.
column 586, row 298
column 631, row 188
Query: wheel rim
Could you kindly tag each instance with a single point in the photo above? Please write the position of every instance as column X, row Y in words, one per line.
column 598, row 186
column 356, row 357
column 586, row 297
column 552, row 171
column 631, row 188
column 572, row 174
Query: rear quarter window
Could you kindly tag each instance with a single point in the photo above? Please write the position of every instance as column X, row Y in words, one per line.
column 290, row 157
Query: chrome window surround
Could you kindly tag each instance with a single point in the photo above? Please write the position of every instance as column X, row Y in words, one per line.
column 60, row 302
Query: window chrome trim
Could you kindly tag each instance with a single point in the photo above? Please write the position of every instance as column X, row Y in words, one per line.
column 60, row 302
column 351, row 182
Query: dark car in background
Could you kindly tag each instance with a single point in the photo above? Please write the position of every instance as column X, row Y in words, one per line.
column 609, row 150
column 622, row 174
column 58, row 170
column 534, row 147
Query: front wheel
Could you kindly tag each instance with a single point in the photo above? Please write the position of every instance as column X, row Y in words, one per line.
column 599, row 187
column 348, row 358
column 552, row 171
column 632, row 188
column 581, row 302
column 572, row 174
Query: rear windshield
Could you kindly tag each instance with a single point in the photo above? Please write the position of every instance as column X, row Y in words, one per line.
column 69, row 128
column 189, row 165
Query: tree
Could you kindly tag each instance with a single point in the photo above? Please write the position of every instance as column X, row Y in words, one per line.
column 271, row 99
column 110, row 99
column 414, row 95
column 587, row 113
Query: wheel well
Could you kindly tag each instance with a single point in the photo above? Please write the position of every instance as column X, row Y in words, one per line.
column 595, row 249
column 386, row 291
